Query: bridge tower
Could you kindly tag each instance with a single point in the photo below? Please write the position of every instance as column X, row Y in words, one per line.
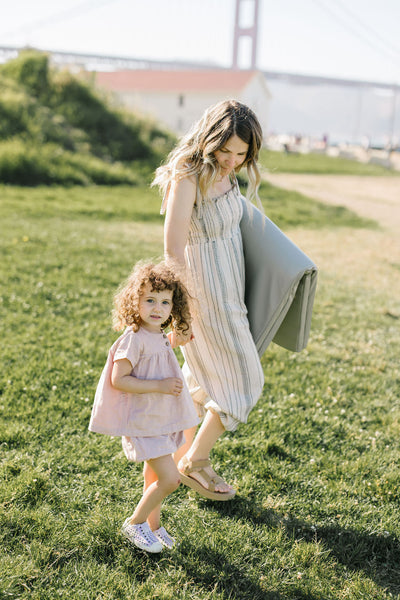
column 245, row 10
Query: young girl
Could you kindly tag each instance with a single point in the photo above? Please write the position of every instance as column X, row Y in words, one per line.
column 141, row 395
column 202, row 234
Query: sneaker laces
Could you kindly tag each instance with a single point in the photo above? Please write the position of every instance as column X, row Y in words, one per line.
column 146, row 532
column 164, row 537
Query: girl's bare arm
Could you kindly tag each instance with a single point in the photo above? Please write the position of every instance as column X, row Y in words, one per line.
column 122, row 380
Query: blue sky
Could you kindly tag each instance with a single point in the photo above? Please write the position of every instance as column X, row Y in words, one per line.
column 353, row 39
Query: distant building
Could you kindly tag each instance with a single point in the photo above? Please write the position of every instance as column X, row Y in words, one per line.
column 177, row 98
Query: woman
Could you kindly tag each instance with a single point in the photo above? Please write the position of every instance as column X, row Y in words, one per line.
column 202, row 235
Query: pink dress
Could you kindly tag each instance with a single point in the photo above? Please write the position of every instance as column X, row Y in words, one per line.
column 151, row 425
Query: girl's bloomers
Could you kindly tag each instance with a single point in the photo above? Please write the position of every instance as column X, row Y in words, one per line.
column 138, row 417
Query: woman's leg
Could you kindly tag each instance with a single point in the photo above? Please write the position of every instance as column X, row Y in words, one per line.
column 189, row 436
column 167, row 480
column 210, row 430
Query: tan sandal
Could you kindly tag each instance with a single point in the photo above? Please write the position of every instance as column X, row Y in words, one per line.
column 187, row 466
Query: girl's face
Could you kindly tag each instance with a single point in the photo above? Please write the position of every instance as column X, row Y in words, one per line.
column 154, row 308
column 231, row 155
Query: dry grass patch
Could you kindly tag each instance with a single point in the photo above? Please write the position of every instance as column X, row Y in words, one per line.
column 361, row 258
column 376, row 198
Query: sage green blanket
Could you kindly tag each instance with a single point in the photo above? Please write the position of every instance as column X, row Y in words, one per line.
column 280, row 284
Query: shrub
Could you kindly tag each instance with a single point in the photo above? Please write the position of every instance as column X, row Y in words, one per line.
column 24, row 163
column 15, row 107
column 31, row 69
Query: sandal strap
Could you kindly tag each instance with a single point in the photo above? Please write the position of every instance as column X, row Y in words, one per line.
column 212, row 481
column 194, row 465
column 198, row 465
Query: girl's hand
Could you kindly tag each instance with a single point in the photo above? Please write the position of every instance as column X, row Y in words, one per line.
column 171, row 385
column 177, row 339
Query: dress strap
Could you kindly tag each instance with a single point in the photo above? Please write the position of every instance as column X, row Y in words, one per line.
column 198, row 201
column 235, row 183
column 165, row 200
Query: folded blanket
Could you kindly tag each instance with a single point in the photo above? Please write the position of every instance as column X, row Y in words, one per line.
column 280, row 284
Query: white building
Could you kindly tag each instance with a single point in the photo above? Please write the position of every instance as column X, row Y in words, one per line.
column 177, row 98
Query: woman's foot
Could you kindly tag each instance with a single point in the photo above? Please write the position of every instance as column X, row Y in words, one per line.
column 163, row 536
column 142, row 536
column 201, row 477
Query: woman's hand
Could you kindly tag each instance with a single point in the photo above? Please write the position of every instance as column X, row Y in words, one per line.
column 171, row 385
column 179, row 339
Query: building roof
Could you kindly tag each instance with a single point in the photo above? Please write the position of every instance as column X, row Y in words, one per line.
column 175, row 81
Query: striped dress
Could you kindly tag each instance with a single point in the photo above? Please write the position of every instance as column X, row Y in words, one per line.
column 222, row 367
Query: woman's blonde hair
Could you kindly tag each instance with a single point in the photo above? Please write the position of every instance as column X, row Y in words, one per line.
column 160, row 277
column 194, row 154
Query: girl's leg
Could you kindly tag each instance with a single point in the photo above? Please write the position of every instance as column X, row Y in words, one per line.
column 167, row 481
column 210, row 430
column 150, row 477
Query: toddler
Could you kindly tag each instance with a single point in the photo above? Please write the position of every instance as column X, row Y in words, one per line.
column 141, row 395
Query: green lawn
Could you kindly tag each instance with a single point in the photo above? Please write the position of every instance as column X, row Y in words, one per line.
column 317, row 511
column 281, row 162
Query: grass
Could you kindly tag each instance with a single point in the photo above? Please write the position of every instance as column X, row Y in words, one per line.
column 317, row 511
column 281, row 162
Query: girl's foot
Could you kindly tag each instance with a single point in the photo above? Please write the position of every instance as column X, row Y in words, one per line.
column 163, row 536
column 142, row 536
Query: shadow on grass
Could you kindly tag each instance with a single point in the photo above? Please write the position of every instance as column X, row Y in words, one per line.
column 209, row 571
column 377, row 556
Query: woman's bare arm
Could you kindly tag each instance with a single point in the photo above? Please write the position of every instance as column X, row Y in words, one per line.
column 180, row 204
column 181, row 198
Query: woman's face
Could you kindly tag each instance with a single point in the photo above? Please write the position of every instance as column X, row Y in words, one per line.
column 231, row 155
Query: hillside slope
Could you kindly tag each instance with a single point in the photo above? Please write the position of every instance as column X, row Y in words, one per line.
column 55, row 128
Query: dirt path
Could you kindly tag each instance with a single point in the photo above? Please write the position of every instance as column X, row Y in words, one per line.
column 364, row 258
column 375, row 197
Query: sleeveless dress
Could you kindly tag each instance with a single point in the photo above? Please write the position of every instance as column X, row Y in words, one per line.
column 222, row 367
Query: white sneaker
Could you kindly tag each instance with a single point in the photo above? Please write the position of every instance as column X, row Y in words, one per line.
column 142, row 536
column 163, row 536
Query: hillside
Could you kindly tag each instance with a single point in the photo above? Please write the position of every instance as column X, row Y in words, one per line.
column 56, row 129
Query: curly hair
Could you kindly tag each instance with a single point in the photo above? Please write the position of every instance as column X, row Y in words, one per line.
column 194, row 153
column 160, row 277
